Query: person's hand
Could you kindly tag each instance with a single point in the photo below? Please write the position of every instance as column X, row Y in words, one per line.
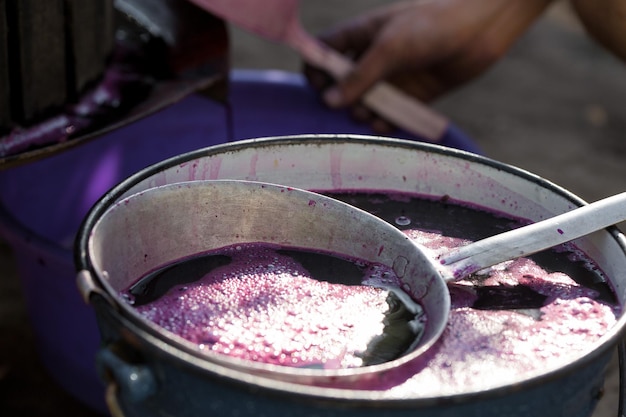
column 424, row 47
column 605, row 20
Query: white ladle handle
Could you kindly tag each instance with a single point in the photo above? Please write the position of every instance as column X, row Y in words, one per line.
column 535, row 237
column 389, row 102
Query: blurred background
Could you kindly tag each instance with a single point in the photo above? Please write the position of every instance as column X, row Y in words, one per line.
column 553, row 106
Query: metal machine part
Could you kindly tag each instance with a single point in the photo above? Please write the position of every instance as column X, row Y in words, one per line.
column 151, row 67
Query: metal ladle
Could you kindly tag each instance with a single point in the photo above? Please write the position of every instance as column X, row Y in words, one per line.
column 164, row 224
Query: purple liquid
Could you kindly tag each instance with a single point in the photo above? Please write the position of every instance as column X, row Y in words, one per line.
column 284, row 307
column 516, row 320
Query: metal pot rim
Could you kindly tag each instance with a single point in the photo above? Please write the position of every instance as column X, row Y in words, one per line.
column 599, row 348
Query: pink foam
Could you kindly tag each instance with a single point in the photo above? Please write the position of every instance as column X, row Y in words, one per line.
column 265, row 307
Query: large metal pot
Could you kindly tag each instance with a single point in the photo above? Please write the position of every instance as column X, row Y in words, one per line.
column 149, row 375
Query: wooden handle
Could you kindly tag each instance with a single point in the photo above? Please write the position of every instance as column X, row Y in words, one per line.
column 386, row 100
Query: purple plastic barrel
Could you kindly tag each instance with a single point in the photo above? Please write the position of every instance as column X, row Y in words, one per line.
column 43, row 203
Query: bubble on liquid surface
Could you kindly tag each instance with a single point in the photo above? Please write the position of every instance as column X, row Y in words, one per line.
column 403, row 221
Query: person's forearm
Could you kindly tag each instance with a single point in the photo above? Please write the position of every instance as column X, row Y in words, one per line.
column 605, row 20
column 517, row 17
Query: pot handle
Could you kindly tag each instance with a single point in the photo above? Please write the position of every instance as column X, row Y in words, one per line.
column 88, row 286
column 132, row 382
column 110, row 398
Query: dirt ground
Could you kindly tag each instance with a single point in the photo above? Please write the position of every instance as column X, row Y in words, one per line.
column 553, row 105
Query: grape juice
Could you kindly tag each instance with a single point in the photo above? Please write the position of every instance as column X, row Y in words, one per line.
column 282, row 306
